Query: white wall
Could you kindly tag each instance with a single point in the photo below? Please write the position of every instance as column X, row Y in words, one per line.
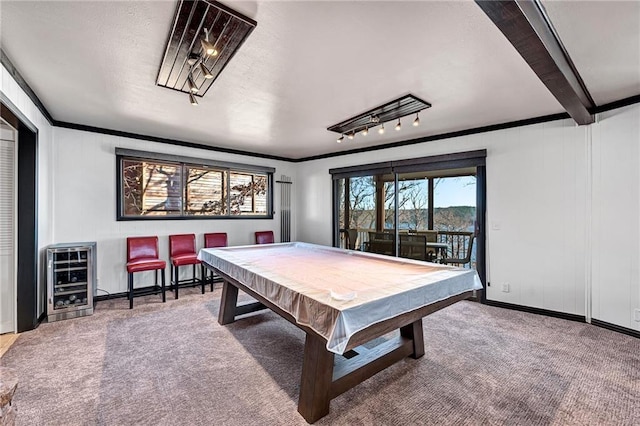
column 558, row 193
column 84, row 177
column 616, row 217
column 17, row 96
column 536, row 194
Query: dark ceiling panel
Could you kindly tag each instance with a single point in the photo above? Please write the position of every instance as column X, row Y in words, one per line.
column 228, row 30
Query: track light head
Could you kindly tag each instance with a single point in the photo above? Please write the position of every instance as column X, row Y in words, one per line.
column 365, row 132
column 351, row 135
column 340, row 139
column 192, row 85
column 399, row 125
column 381, row 129
column 205, row 71
column 192, row 59
column 193, row 100
column 416, row 122
column 207, row 46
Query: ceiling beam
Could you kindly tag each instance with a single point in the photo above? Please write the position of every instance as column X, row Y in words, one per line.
column 528, row 28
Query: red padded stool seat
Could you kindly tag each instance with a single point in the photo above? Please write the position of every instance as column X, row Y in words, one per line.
column 182, row 249
column 213, row 240
column 185, row 259
column 142, row 255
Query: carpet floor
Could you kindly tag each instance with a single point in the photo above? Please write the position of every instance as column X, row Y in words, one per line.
column 173, row 364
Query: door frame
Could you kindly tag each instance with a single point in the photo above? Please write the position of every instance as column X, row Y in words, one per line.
column 30, row 290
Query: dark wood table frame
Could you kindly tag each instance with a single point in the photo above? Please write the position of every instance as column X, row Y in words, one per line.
column 323, row 378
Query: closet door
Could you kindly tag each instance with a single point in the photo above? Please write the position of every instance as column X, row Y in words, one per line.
column 7, row 228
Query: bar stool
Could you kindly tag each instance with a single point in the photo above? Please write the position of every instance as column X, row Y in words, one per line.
column 212, row 240
column 182, row 249
column 142, row 255
column 264, row 237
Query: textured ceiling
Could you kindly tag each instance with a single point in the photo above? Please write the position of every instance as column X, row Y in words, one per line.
column 308, row 65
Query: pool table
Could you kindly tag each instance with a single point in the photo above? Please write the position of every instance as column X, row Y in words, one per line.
column 342, row 299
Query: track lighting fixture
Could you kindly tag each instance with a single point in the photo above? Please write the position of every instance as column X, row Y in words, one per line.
column 193, row 100
column 205, row 71
column 340, row 139
column 207, row 46
column 390, row 112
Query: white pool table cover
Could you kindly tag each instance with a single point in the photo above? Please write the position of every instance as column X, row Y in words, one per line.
column 339, row 292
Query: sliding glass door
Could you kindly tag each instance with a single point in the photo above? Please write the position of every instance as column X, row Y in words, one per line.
column 429, row 209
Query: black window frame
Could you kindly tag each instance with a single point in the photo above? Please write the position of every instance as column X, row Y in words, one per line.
column 123, row 154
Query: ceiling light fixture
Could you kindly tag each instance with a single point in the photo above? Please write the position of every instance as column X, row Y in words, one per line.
column 205, row 71
column 340, row 139
column 389, row 112
column 416, row 122
column 193, row 100
column 201, row 28
column 208, row 47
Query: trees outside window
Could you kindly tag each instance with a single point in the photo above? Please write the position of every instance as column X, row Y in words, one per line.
column 151, row 188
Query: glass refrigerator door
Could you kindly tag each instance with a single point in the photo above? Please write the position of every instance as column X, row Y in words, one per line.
column 70, row 275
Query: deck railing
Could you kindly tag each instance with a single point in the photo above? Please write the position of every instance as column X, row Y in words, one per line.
column 457, row 241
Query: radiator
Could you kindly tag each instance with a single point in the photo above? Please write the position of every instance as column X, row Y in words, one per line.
column 285, row 208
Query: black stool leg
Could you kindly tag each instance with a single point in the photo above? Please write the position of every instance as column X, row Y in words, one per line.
column 204, row 274
column 130, row 290
column 201, row 277
column 155, row 286
column 176, row 272
column 164, row 299
column 171, row 286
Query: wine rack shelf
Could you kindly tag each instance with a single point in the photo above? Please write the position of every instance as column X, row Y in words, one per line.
column 71, row 278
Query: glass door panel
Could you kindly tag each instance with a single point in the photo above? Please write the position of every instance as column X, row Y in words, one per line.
column 454, row 217
column 413, row 217
column 366, row 214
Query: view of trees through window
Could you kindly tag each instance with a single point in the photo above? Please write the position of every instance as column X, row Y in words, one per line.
column 156, row 188
column 454, row 203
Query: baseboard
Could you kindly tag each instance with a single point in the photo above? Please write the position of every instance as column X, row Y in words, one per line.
column 537, row 311
column 613, row 327
column 125, row 294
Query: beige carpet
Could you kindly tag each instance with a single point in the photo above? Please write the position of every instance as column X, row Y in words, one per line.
column 172, row 364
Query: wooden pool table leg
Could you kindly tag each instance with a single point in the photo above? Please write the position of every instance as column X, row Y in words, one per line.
column 228, row 302
column 317, row 376
column 413, row 331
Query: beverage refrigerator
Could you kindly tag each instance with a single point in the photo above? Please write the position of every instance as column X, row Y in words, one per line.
column 71, row 280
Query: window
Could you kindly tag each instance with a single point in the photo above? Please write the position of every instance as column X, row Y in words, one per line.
column 155, row 186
